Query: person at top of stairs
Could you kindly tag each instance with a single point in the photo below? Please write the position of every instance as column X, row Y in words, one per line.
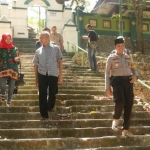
column 57, row 38
column 9, row 60
column 91, row 37
column 47, row 61
column 121, row 77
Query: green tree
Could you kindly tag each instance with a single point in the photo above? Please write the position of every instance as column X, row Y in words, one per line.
column 83, row 3
column 138, row 6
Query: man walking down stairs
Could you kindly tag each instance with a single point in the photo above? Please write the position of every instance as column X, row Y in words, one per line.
column 48, row 73
column 83, row 120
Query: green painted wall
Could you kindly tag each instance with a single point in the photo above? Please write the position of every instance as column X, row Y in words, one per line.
column 100, row 20
column 129, row 29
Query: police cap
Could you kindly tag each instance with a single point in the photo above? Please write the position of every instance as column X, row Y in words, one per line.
column 119, row 41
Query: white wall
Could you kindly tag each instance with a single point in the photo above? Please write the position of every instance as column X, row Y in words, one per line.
column 58, row 19
column 55, row 16
column 70, row 33
column 5, row 28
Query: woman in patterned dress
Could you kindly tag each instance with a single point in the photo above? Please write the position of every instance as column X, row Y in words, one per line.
column 9, row 60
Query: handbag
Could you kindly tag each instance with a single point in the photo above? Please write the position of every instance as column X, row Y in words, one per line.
column 15, row 90
column 93, row 44
column 20, row 81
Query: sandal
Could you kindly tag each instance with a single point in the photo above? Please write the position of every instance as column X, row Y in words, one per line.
column 8, row 103
column 127, row 133
column 115, row 125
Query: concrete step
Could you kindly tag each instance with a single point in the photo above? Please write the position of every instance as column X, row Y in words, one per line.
column 63, row 109
column 124, row 148
column 65, row 132
column 66, row 91
column 74, row 75
column 119, row 148
column 65, row 103
column 59, row 96
column 24, row 39
column 31, row 69
column 96, row 115
column 79, row 87
column 58, row 122
column 73, row 143
column 66, row 78
column 72, row 83
column 30, row 45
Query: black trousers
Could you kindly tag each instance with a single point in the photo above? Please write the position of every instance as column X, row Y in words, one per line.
column 123, row 98
column 47, row 104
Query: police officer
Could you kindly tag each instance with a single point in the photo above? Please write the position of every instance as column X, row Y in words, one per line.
column 121, row 76
column 127, row 51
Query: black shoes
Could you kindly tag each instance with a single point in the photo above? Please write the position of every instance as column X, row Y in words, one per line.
column 44, row 118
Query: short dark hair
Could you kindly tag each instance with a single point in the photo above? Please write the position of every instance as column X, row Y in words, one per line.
column 46, row 29
column 54, row 27
column 45, row 33
column 88, row 25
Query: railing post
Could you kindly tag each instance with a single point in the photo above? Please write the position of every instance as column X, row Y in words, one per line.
column 68, row 46
column 82, row 58
column 75, row 51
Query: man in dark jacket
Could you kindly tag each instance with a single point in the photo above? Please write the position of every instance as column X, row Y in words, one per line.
column 91, row 37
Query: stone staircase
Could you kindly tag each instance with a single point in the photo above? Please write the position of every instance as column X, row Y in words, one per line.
column 83, row 120
column 25, row 44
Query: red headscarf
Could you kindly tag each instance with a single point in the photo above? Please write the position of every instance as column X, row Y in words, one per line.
column 3, row 43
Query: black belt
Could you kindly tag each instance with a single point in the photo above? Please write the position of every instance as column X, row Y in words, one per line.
column 120, row 77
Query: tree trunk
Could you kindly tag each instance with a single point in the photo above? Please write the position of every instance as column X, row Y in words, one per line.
column 138, row 9
column 72, row 2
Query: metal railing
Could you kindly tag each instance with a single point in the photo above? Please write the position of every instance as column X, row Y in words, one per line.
column 76, row 50
column 144, row 84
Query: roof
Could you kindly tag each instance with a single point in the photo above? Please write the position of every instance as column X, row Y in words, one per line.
column 4, row 18
column 96, row 6
column 103, row 7
column 3, row 1
column 109, row 7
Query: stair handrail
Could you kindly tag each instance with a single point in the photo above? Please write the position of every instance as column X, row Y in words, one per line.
column 77, row 48
column 144, row 84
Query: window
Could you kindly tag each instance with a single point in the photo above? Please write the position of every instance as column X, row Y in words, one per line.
column 118, row 25
column 106, row 24
column 145, row 27
column 93, row 22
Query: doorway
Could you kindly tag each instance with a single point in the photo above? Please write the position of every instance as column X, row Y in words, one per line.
column 37, row 18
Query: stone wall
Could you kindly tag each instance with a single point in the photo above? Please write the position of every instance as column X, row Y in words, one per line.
column 106, row 44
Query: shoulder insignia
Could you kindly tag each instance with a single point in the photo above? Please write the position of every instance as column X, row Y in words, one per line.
column 127, row 56
column 114, row 56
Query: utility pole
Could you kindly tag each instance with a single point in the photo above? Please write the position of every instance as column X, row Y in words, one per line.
column 120, row 21
column 39, row 19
